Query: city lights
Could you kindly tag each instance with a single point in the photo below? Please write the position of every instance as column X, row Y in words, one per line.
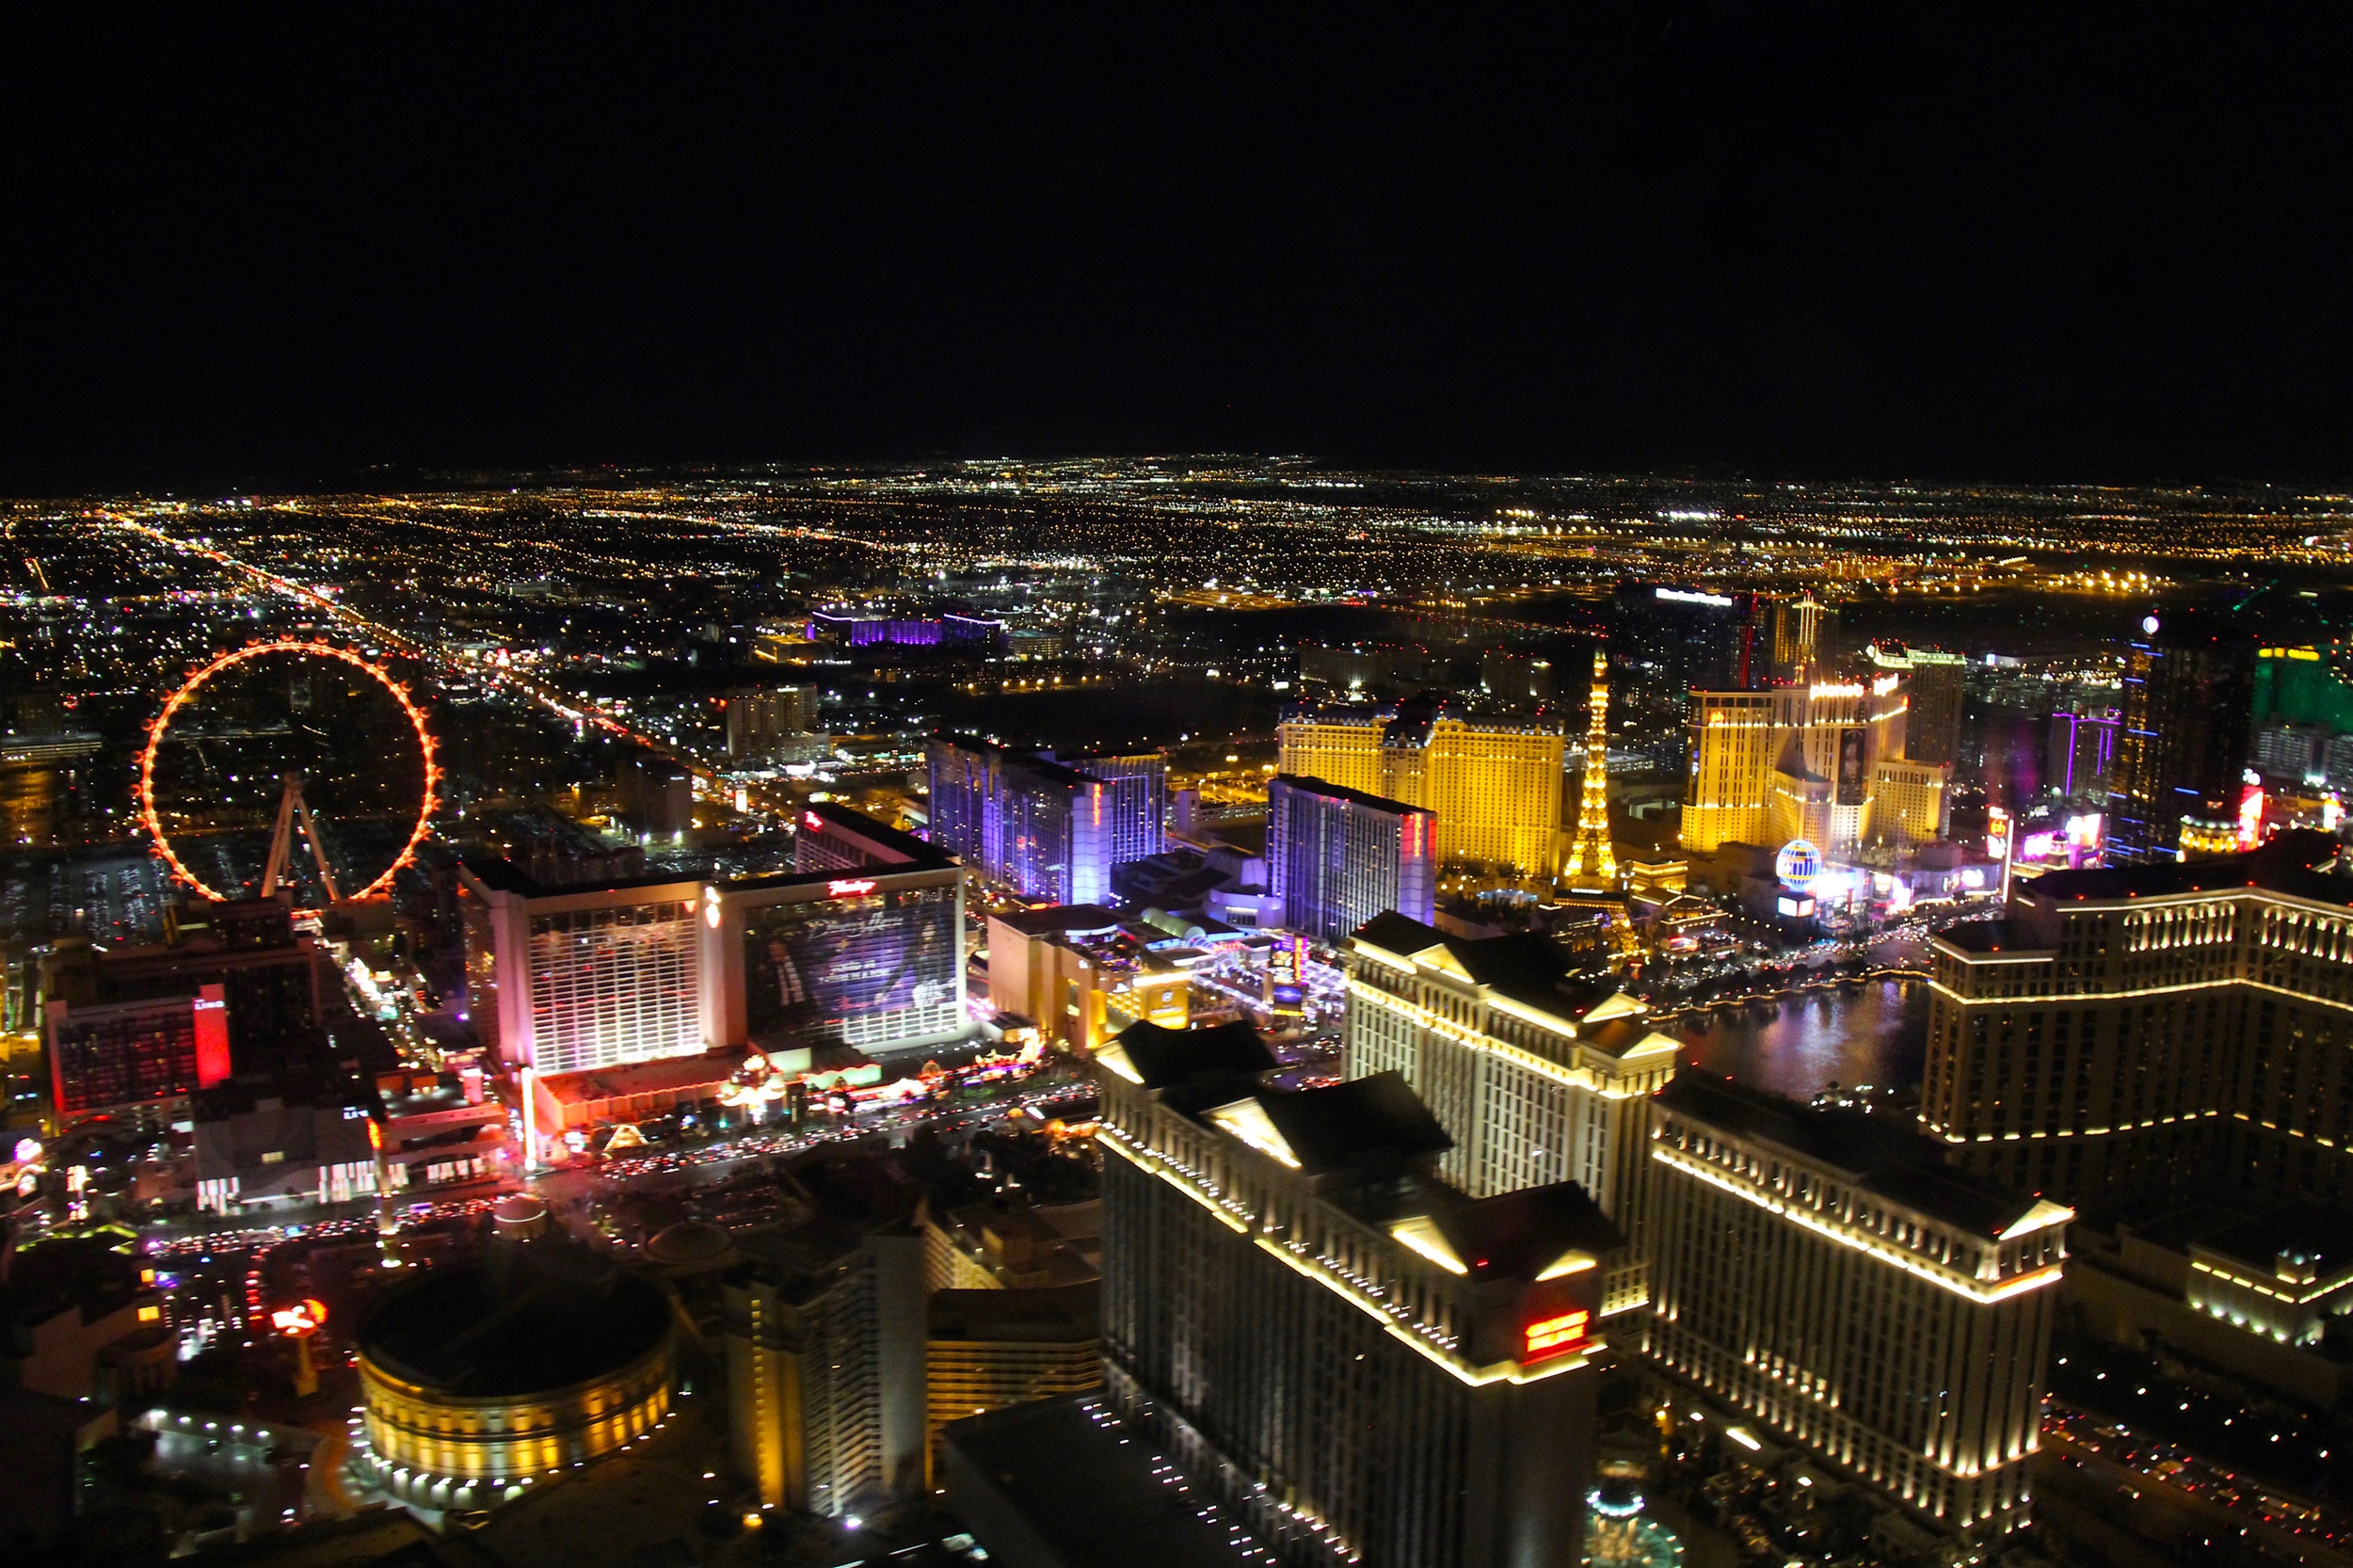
column 763, row 873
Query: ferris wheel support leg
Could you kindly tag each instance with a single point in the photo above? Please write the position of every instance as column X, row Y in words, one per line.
column 318, row 850
column 282, row 835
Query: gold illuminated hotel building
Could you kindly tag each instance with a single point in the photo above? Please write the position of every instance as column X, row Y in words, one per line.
column 824, row 1334
column 1823, row 762
column 2155, row 1033
column 1538, row 1074
column 1824, row 1275
column 989, row 1349
column 1494, row 783
column 1359, row 1362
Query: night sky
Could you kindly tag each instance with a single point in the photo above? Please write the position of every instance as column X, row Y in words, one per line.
column 285, row 247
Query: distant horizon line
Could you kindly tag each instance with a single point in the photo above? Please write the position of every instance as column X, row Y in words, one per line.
column 435, row 477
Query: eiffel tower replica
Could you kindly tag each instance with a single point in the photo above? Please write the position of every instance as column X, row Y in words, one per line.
column 1591, row 864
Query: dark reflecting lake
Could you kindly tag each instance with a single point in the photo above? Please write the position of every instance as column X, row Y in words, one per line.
column 1876, row 1035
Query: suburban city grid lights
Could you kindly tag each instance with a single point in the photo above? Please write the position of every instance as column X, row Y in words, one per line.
column 308, row 649
column 1732, row 544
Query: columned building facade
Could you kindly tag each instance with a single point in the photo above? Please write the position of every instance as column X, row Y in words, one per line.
column 1364, row 1365
column 1826, row 1275
column 1538, row 1074
column 2154, row 1032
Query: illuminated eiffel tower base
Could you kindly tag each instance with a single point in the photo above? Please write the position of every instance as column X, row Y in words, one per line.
column 1592, row 863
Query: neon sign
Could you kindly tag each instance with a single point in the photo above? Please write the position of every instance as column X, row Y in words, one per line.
column 302, row 1320
column 211, row 1021
column 1560, row 1336
column 851, row 888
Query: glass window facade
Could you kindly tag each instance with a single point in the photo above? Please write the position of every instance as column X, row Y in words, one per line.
column 121, row 1057
column 1048, row 830
column 613, row 986
column 1336, row 858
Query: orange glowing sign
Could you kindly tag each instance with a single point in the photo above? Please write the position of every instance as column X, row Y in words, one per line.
column 302, row 1320
column 1552, row 1336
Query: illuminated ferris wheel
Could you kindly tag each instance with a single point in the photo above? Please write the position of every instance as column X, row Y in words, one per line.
column 284, row 736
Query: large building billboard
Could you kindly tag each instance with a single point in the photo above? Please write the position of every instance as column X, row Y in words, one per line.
column 1854, row 785
column 863, row 966
column 1286, row 972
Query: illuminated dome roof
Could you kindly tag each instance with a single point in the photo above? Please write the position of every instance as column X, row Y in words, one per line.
column 518, row 1209
column 517, row 1320
column 687, row 1243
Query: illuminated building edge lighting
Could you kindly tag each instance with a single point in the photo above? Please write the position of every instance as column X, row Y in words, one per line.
column 508, row 1438
column 1975, row 1291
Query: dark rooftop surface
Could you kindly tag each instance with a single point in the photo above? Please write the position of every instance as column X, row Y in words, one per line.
column 2322, row 1237
column 897, row 846
column 66, row 1272
column 505, row 876
column 2288, row 864
column 966, row 741
column 41, row 1439
column 1410, row 720
column 1878, row 1155
column 847, row 1195
column 1398, row 933
column 1046, row 768
column 1165, row 1058
column 1361, row 1124
column 1357, row 797
column 1044, row 1472
column 2181, row 1226
column 1619, row 1035
column 662, row 1074
column 1516, row 961
column 1993, row 936
column 1051, row 1314
column 522, row 1318
column 1519, row 1234
column 1526, row 966
column 1058, row 918
column 1245, row 835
